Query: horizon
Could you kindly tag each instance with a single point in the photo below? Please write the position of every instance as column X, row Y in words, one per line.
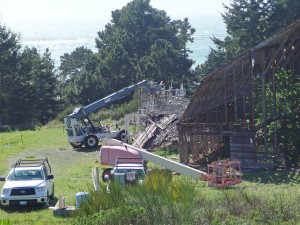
column 77, row 10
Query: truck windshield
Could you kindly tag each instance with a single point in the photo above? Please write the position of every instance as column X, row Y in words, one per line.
column 25, row 175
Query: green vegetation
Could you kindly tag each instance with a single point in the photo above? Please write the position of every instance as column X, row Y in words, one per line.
column 248, row 23
column 140, row 42
column 282, row 107
column 71, row 169
column 166, row 200
column 265, row 197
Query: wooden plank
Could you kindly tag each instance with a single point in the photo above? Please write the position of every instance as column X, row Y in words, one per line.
column 145, row 135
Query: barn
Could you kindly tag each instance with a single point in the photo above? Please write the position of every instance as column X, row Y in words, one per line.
column 235, row 110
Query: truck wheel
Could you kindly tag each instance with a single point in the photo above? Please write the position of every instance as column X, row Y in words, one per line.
column 121, row 136
column 91, row 141
column 46, row 204
column 52, row 194
column 106, row 171
column 76, row 144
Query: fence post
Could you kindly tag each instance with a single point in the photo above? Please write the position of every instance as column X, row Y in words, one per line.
column 95, row 175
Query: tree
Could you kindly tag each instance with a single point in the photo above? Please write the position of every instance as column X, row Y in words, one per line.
column 72, row 64
column 9, row 47
column 284, row 103
column 70, row 69
column 163, row 63
column 131, row 42
column 248, row 22
column 137, row 36
column 285, row 13
column 33, row 94
column 46, row 83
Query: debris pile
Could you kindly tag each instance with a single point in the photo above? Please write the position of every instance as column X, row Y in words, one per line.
column 163, row 119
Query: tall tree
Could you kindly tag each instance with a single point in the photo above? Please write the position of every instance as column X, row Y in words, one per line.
column 137, row 36
column 33, row 94
column 248, row 22
column 46, row 83
column 163, row 63
column 73, row 63
column 72, row 66
column 130, row 43
column 9, row 47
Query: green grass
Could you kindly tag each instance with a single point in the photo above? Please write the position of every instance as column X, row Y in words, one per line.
column 72, row 176
column 265, row 197
column 11, row 143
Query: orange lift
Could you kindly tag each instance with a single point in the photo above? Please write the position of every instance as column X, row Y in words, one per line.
column 224, row 173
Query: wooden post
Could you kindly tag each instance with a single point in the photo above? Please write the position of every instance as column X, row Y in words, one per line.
column 95, row 176
column 225, row 96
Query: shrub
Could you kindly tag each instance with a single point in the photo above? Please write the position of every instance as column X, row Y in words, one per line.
column 5, row 128
column 162, row 199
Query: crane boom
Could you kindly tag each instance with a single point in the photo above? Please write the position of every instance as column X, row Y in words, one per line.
column 85, row 132
column 83, row 111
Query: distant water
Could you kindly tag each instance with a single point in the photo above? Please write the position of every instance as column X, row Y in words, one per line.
column 65, row 37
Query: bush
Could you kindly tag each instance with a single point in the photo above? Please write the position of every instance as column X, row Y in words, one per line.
column 27, row 126
column 5, row 128
column 162, row 199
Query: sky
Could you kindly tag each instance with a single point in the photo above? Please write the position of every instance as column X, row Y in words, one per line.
column 15, row 11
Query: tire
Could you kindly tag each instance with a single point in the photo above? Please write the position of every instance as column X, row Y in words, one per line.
column 122, row 136
column 47, row 203
column 52, row 194
column 91, row 141
column 76, row 144
column 106, row 171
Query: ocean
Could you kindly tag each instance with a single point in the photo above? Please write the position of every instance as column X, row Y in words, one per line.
column 65, row 36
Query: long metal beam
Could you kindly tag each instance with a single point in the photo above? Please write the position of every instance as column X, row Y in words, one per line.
column 164, row 162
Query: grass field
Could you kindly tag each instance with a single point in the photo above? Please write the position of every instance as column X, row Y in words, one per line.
column 71, row 169
column 265, row 197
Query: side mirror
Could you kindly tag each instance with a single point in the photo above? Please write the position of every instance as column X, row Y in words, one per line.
column 50, row 177
column 2, row 178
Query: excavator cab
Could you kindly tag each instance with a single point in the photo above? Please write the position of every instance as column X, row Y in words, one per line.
column 224, row 173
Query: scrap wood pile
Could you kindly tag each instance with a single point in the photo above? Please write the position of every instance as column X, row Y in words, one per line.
column 161, row 131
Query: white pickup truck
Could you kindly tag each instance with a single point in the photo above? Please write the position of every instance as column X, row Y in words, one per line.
column 29, row 182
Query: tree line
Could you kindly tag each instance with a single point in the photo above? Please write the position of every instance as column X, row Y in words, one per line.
column 140, row 42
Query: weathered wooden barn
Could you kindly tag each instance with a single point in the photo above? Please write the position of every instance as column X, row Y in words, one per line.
column 223, row 113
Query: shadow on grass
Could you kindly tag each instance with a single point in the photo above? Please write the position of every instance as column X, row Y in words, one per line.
column 27, row 208
column 287, row 176
column 23, row 209
column 83, row 149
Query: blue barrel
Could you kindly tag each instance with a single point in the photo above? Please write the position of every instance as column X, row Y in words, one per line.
column 80, row 197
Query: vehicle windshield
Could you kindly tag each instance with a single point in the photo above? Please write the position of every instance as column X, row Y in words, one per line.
column 25, row 175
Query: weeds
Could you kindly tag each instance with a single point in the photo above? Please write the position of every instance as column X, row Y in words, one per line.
column 164, row 199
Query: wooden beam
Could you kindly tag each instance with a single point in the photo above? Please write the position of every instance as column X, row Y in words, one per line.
column 215, row 133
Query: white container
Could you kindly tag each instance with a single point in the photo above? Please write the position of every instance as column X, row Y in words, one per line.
column 81, row 196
